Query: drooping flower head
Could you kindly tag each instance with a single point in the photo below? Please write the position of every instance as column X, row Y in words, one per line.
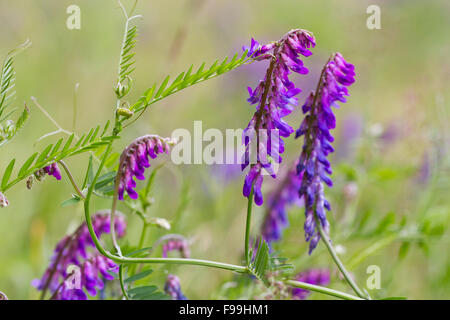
column 173, row 288
column 274, row 98
column 53, row 170
column 319, row 277
column 279, row 201
column 313, row 167
column 89, row 267
column 135, row 159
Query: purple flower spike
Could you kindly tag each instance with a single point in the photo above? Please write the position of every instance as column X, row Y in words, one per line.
column 313, row 166
column 173, row 288
column 134, row 161
column 53, row 170
column 275, row 97
column 319, row 277
column 73, row 267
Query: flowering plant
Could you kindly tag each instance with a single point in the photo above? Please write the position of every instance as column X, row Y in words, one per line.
column 101, row 259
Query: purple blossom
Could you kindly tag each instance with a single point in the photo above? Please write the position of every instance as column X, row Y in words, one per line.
column 313, row 167
column 176, row 244
column 53, row 170
column 319, row 277
column 275, row 99
column 135, row 159
column 173, row 288
column 92, row 266
column 278, row 203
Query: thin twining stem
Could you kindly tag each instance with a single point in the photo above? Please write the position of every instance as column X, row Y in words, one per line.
column 198, row 262
column 247, row 227
column 72, row 180
column 338, row 262
column 321, row 289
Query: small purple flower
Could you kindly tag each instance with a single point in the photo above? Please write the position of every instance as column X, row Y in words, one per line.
column 319, row 277
column 176, row 244
column 278, row 203
column 92, row 267
column 134, row 161
column 275, row 99
column 313, row 167
column 53, row 170
column 173, row 288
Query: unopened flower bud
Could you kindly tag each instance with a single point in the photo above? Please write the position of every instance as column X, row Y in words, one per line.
column 3, row 296
column 30, row 182
column 127, row 113
column 3, row 201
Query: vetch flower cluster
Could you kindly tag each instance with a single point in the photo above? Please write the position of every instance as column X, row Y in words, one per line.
column 53, row 170
column 173, row 288
column 93, row 267
column 319, row 277
column 275, row 99
column 278, row 203
column 135, row 159
column 313, row 167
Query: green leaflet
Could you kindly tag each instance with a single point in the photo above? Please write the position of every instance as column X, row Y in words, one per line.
column 187, row 79
column 53, row 153
column 7, row 95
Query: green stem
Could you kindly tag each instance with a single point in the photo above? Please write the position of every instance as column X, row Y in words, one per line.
column 72, row 180
column 321, row 289
column 338, row 262
column 247, row 227
column 118, row 259
column 143, row 234
column 122, row 284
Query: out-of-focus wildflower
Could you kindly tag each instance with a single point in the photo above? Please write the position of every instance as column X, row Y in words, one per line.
column 424, row 173
column 173, row 288
column 313, row 166
column 279, row 201
column 176, row 244
column 274, row 98
column 73, row 267
column 319, row 277
column 134, row 161
column 350, row 191
column 351, row 130
column 3, row 201
column 3, row 296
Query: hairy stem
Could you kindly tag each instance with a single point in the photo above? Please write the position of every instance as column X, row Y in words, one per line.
column 338, row 262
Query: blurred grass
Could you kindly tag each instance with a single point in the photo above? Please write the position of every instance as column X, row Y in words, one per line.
column 403, row 74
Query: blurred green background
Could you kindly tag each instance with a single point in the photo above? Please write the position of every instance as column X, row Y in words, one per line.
column 391, row 205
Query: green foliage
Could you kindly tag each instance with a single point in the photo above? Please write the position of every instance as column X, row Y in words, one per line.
column 146, row 292
column 54, row 152
column 8, row 128
column 187, row 79
column 261, row 262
